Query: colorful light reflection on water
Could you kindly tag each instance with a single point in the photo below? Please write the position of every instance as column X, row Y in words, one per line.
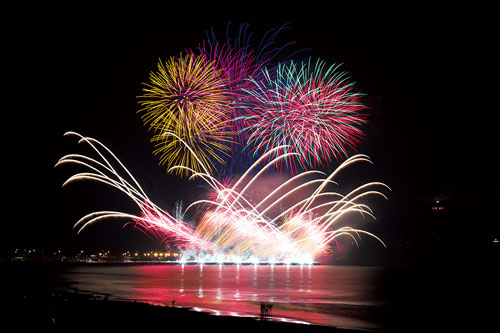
column 327, row 295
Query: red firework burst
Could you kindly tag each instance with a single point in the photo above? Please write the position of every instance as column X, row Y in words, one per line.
column 316, row 112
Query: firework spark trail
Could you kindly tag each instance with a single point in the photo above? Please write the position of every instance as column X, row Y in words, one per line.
column 201, row 97
column 236, row 59
column 230, row 225
column 309, row 237
column 267, row 48
column 265, row 236
column 189, row 97
column 235, row 66
column 305, row 106
column 152, row 220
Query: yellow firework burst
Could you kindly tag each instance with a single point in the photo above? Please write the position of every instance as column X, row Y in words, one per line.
column 188, row 96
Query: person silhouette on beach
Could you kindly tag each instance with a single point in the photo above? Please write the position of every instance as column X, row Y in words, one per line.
column 173, row 303
column 265, row 309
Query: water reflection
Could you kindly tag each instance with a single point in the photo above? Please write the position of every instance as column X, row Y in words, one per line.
column 254, row 278
column 181, row 280
column 287, row 281
column 327, row 295
column 200, row 291
column 271, row 277
column 219, row 294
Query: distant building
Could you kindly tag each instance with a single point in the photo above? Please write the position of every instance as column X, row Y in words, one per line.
column 437, row 206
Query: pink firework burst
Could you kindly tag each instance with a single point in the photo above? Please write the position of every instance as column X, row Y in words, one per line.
column 315, row 111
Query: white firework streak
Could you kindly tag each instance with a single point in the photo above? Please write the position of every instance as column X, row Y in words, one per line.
column 230, row 225
column 153, row 220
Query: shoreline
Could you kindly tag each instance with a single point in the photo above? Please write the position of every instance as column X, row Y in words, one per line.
column 159, row 262
column 57, row 309
column 34, row 301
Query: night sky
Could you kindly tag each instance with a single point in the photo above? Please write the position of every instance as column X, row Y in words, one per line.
column 426, row 72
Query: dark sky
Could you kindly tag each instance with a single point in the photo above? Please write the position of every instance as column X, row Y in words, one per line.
column 426, row 71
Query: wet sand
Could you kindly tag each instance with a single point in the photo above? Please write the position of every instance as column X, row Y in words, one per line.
column 72, row 311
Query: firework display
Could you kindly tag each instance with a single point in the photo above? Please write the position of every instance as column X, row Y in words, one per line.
column 188, row 97
column 231, row 227
column 307, row 107
column 231, row 115
column 202, row 98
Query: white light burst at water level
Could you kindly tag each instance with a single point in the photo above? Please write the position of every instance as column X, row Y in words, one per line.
column 233, row 227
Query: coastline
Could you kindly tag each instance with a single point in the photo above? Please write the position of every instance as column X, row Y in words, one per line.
column 34, row 302
column 54, row 309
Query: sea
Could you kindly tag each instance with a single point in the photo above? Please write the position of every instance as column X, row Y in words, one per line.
column 340, row 296
column 365, row 298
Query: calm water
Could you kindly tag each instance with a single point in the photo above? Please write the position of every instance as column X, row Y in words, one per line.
column 327, row 295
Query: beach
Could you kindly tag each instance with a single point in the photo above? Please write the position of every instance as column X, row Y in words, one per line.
column 34, row 301
column 54, row 310
column 34, row 296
